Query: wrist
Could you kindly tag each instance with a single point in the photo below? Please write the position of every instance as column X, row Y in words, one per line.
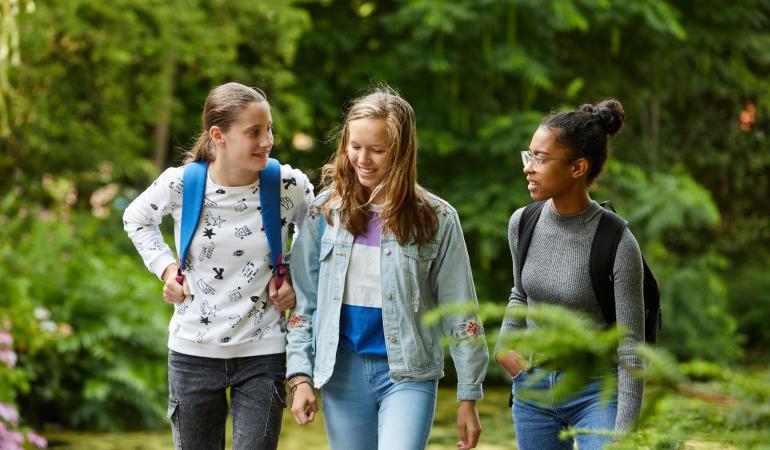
column 170, row 271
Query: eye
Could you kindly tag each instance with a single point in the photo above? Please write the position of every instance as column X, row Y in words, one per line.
column 540, row 160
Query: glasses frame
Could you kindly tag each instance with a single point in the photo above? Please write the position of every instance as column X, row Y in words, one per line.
column 537, row 161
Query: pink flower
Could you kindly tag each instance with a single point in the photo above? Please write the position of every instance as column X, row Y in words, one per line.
column 6, row 338
column 8, row 357
column 10, row 440
column 9, row 414
column 37, row 440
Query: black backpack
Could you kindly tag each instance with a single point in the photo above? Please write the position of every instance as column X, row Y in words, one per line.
column 602, row 259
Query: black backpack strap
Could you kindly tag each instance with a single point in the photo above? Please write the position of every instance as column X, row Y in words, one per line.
column 602, row 260
column 527, row 223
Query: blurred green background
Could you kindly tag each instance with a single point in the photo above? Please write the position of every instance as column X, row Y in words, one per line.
column 97, row 98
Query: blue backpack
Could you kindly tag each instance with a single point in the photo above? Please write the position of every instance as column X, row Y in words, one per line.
column 194, row 186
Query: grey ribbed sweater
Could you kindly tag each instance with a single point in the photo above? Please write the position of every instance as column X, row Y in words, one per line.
column 556, row 270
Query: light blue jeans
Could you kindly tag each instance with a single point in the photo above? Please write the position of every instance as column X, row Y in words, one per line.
column 364, row 409
column 538, row 425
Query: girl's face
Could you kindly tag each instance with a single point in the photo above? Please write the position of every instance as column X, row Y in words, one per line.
column 246, row 145
column 550, row 173
column 367, row 149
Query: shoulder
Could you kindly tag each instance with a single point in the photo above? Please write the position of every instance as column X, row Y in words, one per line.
column 442, row 207
column 294, row 180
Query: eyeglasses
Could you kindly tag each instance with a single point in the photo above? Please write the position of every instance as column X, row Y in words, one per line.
column 537, row 161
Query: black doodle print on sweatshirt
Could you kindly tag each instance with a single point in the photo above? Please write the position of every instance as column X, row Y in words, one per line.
column 233, row 321
column 212, row 221
column 283, row 222
column 287, row 203
column 238, row 252
column 288, row 182
column 254, row 189
column 240, row 206
column 249, row 271
column 235, row 294
column 219, row 272
column 201, row 335
column 209, row 203
column 209, row 233
column 242, row 232
column 220, row 191
column 205, row 288
column 206, row 252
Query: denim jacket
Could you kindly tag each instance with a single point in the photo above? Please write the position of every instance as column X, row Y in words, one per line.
column 414, row 281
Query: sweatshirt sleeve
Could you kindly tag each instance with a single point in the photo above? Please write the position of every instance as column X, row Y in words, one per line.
column 142, row 219
column 629, row 312
column 517, row 298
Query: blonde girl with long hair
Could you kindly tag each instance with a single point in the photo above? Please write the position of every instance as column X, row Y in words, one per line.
column 376, row 253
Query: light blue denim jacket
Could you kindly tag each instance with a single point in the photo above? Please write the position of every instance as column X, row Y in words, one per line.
column 414, row 281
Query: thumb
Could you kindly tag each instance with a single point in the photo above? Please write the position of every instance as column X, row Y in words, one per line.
column 185, row 287
column 271, row 289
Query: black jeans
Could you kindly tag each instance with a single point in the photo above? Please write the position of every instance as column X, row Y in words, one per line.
column 197, row 403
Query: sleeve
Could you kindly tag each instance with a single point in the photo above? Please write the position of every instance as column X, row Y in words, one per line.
column 517, row 298
column 629, row 311
column 453, row 282
column 302, row 199
column 305, row 268
column 142, row 219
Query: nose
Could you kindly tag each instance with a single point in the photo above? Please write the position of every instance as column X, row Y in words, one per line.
column 529, row 168
column 266, row 141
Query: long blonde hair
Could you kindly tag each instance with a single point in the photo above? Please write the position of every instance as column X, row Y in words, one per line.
column 223, row 106
column 406, row 212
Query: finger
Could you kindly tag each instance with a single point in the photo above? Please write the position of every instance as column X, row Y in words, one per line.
column 186, row 287
column 272, row 290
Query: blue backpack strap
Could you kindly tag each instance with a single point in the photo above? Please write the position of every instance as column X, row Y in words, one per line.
column 193, row 188
column 270, row 200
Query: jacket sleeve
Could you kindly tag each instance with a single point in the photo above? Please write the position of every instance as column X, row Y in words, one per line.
column 453, row 283
column 304, row 268
column 517, row 298
column 142, row 219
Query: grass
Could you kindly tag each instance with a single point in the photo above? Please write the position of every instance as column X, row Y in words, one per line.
column 493, row 410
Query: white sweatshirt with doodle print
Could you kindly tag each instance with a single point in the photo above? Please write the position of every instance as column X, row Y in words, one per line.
column 228, row 314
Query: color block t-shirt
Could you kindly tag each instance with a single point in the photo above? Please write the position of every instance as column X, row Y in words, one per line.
column 361, row 314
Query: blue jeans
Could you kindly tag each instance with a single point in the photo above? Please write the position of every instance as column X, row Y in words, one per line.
column 197, row 403
column 364, row 409
column 538, row 424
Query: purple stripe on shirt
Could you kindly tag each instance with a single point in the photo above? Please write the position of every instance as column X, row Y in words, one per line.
column 371, row 235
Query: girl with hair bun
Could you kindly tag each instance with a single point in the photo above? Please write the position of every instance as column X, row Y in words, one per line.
column 566, row 154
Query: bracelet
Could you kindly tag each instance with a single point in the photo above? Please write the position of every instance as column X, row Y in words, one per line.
column 295, row 385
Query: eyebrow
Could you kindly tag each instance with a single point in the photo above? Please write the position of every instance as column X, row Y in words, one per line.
column 538, row 151
column 378, row 147
column 257, row 126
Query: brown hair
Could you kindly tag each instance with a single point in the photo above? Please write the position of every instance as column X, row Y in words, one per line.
column 223, row 106
column 406, row 212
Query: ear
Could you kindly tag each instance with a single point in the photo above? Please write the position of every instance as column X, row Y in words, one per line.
column 580, row 167
column 216, row 135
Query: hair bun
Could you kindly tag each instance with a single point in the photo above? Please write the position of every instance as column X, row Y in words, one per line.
column 610, row 114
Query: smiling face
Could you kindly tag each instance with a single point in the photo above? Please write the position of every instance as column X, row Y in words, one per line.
column 367, row 150
column 246, row 145
column 555, row 177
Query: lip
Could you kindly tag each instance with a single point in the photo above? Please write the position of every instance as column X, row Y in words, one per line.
column 366, row 172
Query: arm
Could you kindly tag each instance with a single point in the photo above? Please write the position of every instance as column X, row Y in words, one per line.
column 512, row 361
column 452, row 281
column 142, row 219
column 629, row 313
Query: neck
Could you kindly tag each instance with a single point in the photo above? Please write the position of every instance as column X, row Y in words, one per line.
column 231, row 176
column 572, row 203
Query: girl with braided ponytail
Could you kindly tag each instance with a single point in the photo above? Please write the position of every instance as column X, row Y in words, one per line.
column 567, row 152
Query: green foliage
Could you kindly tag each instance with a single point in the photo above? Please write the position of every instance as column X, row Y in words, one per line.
column 96, row 359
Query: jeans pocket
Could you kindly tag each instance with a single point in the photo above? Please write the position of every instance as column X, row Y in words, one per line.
column 172, row 413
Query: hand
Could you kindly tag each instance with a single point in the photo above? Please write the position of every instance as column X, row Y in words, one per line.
column 511, row 361
column 303, row 404
column 283, row 298
column 173, row 292
column 468, row 425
